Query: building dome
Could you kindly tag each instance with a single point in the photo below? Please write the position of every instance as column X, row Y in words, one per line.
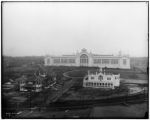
column 84, row 50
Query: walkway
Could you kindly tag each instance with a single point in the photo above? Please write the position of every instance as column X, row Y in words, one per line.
column 59, row 93
column 134, row 81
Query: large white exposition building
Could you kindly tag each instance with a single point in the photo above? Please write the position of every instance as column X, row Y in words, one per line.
column 101, row 79
column 85, row 58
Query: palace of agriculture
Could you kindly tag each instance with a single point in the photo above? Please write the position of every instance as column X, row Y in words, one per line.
column 85, row 58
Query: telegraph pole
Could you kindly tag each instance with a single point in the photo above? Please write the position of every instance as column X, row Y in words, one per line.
column 29, row 89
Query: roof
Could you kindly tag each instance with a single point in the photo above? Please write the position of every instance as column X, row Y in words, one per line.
column 39, row 78
column 22, row 78
column 104, row 72
column 102, row 55
column 69, row 55
column 30, row 79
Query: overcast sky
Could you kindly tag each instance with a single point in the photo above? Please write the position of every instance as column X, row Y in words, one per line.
column 55, row 28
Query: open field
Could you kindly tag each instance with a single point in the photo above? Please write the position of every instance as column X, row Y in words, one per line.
column 126, row 74
column 118, row 111
column 77, row 92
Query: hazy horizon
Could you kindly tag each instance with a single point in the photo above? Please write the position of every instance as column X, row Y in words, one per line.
column 45, row 55
column 58, row 28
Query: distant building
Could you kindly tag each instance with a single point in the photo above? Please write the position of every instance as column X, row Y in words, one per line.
column 22, row 82
column 8, row 85
column 36, row 83
column 85, row 58
column 101, row 80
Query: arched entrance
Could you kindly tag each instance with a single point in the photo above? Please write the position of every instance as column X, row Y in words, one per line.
column 84, row 60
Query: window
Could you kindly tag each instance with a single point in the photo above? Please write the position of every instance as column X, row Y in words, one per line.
column 48, row 61
column 64, row 60
column 108, row 78
column 105, row 61
column 124, row 61
column 100, row 77
column 94, row 84
column 89, row 83
column 92, row 77
column 71, row 60
column 86, row 78
column 114, row 61
column 84, row 58
column 97, row 61
column 56, row 60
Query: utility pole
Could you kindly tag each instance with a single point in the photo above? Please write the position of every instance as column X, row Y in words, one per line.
column 30, row 99
column 62, row 88
column 29, row 89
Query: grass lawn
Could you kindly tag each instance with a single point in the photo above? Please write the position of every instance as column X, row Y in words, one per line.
column 77, row 92
column 127, row 74
column 79, row 113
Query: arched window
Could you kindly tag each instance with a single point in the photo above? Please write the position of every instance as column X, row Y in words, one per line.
column 100, row 77
column 92, row 77
column 84, row 60
column 108, row 78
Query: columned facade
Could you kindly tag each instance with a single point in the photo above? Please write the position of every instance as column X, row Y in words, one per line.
column 85, row 58
column 100, row 79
